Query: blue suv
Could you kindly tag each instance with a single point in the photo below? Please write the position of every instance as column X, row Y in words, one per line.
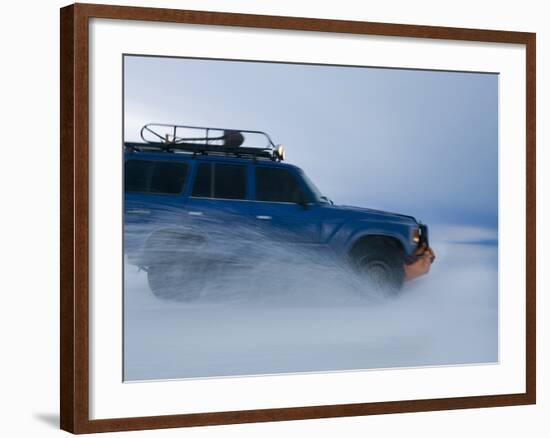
column 191, row 190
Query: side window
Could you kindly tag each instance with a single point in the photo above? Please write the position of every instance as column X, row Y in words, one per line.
column 229, row 181
column 277, row 185
column 223, row 181
column 162, row 177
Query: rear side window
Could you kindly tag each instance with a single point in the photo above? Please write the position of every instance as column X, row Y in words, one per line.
column 162, row 177
column 223, row 181
column 277, row 185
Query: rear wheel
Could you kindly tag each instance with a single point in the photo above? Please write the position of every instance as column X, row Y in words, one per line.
column 172, row 281
column 171, row 272
column 381, row 264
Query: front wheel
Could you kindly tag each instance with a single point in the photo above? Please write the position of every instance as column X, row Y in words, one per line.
column 381, row 265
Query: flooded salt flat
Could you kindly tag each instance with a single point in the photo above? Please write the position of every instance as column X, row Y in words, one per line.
column 290, row 314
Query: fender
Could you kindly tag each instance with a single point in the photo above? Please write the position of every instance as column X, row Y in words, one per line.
column 349, row 233
column 167, row 240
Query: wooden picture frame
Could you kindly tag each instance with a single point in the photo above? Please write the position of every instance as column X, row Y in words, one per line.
column 75, row 237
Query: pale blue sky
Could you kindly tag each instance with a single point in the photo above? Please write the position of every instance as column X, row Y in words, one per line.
column 418, row 142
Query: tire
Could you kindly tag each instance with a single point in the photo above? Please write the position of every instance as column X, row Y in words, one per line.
column 381, row 264
column 171, row 281
column 170, row 273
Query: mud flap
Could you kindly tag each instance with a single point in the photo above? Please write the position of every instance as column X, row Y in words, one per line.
column 420, row 263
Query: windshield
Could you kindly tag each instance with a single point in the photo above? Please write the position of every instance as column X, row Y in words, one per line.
column 316, row 192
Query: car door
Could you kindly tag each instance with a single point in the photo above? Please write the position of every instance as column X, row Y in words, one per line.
column 284, row 209
column 218, row 204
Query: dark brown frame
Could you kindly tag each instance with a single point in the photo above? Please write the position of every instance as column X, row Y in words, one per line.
column 74, row 217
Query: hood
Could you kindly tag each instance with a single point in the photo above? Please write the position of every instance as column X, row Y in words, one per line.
column 361, row 211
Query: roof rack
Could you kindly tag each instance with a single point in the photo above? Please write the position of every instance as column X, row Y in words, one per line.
column 205, row 140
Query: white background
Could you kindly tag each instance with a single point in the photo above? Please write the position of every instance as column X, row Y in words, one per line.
column 29, row 319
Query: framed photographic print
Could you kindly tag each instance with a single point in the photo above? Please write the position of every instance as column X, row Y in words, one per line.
column 275, row 218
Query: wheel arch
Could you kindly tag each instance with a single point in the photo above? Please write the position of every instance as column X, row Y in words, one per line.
column 375, row 239
column 163, row 241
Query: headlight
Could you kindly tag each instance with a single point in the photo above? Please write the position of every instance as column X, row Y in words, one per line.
column 416, row 235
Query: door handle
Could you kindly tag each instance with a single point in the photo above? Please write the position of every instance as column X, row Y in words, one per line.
column 138, row 211
column 195, row 213
column 263, row 217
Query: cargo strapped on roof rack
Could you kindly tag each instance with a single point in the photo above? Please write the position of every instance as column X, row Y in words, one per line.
column 206, row 140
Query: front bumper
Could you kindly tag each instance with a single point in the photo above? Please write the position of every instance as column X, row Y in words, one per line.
column 421, row 261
